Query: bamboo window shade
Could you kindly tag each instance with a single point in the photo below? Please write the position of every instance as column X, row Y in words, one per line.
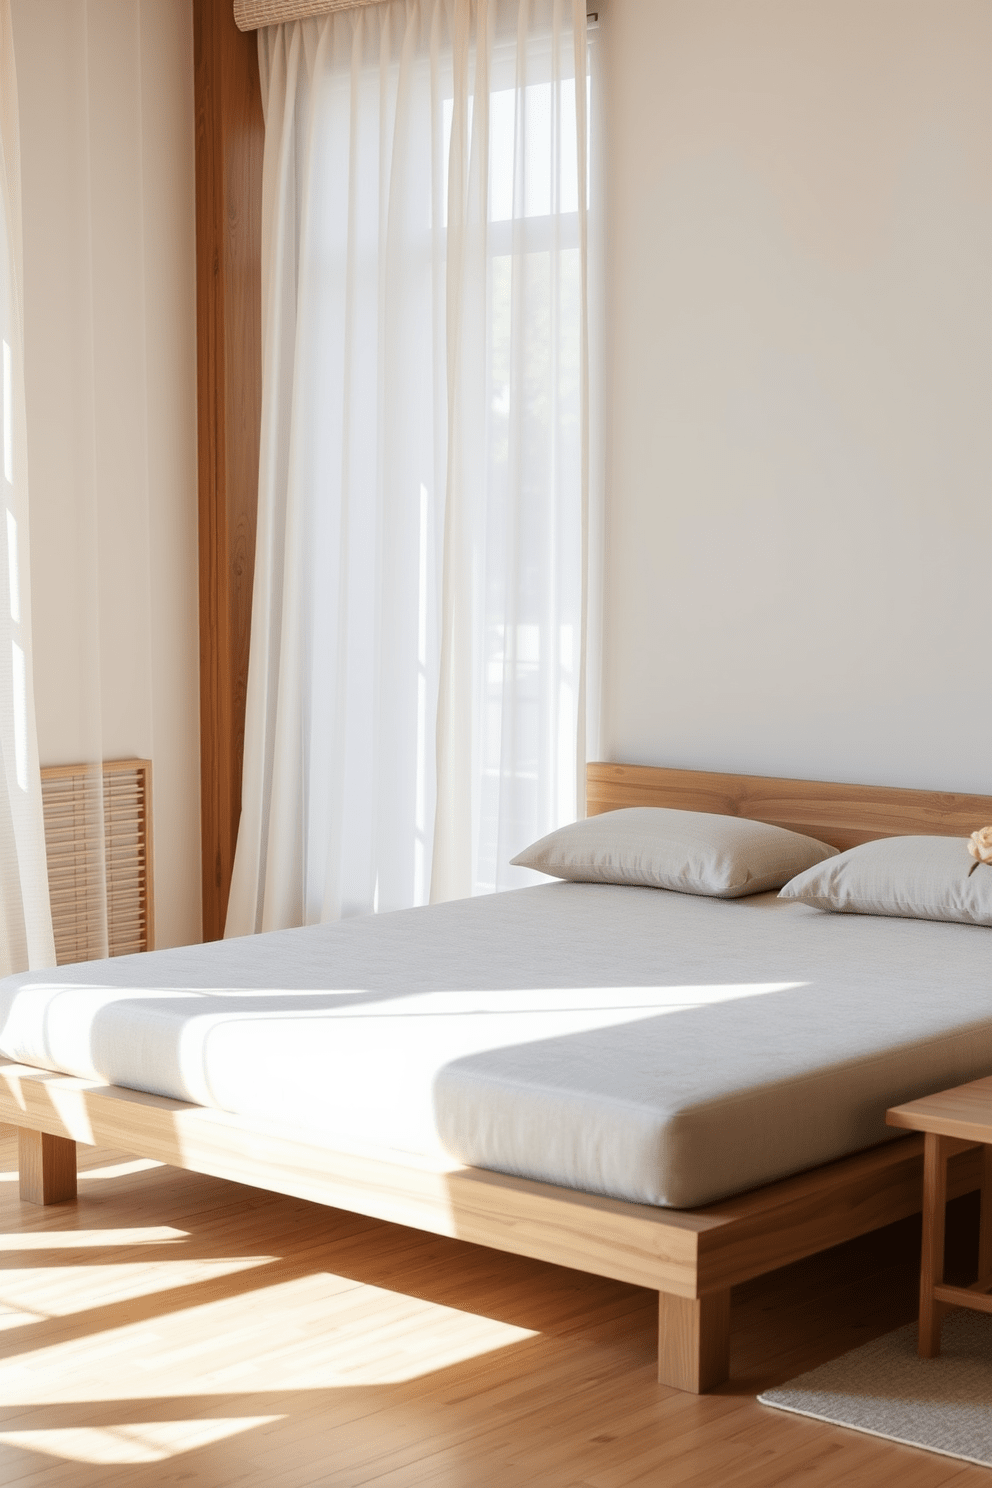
column 252, row 15
column 78, row 860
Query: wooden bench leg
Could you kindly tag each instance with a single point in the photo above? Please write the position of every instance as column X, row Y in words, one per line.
column 694, row 1341
column 47, row 1167
column 985, row 1222
column 935, row 1154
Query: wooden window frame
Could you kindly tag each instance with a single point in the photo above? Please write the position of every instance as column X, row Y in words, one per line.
column 228, row 174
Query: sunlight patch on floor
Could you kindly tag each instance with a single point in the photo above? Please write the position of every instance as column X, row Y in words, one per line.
column 80, row 1239
column 18, row 1317
column 386, row 1337
column 119, row 1169
column 316, row 1331
column 102, row 1286
column 366, row 1336
column 137, row 1442
column 106, row 1170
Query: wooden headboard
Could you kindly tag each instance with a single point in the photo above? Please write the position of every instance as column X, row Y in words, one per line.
column 842, row 815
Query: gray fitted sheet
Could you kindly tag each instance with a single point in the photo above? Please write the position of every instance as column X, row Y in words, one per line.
column 650, row 1045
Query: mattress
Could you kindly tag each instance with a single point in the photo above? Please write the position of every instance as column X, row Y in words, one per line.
column 652, row 1046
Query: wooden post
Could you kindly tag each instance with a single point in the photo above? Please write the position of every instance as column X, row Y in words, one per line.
column 985, row 1222
column 694, row 1341
column 935, row 1154
column 46, row 1167
column 229, row 139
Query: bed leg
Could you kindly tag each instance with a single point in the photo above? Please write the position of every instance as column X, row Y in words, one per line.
column 47, row 1167
column 694, row 1341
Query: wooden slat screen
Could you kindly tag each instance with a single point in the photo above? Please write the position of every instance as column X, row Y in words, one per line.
column 76, row 864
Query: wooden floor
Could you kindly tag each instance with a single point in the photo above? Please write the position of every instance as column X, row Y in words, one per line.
column 173, row 1329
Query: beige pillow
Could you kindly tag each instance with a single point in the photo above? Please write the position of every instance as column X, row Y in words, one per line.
column 693, row 852
column 921, row 878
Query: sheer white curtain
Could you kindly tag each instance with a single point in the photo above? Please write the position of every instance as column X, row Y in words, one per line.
column 110, row 353
column 25, row 915
column 416, row 683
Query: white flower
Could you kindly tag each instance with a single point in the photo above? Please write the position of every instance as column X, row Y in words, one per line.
column 980, row 845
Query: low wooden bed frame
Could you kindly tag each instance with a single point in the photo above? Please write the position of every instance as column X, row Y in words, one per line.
column 692, row 1258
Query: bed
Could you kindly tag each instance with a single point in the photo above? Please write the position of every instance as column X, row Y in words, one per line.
column 492, row 1070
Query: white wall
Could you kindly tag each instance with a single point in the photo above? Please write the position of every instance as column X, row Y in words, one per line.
column 106, row 106
column 799, row 445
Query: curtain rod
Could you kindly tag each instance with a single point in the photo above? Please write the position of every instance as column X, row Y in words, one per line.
column 252, row 15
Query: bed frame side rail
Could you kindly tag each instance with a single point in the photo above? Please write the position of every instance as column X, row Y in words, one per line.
column 691, row 1258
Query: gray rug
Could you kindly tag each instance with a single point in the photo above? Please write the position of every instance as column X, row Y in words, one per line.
column 883, row 1388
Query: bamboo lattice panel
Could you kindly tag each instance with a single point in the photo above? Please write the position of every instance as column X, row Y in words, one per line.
column 99, row 879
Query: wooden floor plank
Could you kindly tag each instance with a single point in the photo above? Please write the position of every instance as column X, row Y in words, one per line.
column 168, row 1328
